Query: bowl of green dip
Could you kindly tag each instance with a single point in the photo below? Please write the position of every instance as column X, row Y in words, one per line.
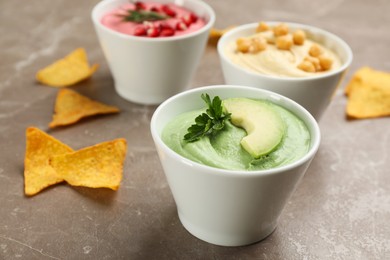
column 231, row 181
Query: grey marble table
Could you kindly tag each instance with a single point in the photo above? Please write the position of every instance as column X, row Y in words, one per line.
column 341, row 209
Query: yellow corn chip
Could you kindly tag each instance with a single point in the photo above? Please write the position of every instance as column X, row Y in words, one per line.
column 368, row 94
column 368, row 101
column 67, row 71
column 215, row 34
column 70, row 107
column 38, row 174
column 98, row 166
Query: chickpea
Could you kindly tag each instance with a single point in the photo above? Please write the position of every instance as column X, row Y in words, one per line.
column 325, row 62
column 284, row 42
column 258, row 44
column 307, row 66
column 315, row 50
column 299, row 37
column 253, row 49
column 315, row 61
column 243, row 45
column 280, row 29
column 262, row 27
column 270, row 39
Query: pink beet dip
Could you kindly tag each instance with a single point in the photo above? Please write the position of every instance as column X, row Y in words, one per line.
column 149, row 19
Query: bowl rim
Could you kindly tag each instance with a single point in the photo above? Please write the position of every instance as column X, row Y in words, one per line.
column 102, row 4
column 223, row 42
column 308, row 120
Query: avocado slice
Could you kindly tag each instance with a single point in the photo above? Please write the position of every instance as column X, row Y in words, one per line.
column 265, row 128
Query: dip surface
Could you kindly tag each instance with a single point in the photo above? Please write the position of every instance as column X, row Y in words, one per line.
column 275, row 62
column 180, row 22
column 224, row 150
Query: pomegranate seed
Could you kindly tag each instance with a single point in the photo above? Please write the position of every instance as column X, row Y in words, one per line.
column 189, row 19
column 139, row 5
column 165, row 26
column 181, row 26
column 153, row 32
column 167, row 32
column 168, row 11
column 194, row 17
column 139, row 31
column 154, row 9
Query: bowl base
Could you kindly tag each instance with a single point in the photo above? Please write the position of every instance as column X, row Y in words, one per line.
column 139, row 99
column 224, row 239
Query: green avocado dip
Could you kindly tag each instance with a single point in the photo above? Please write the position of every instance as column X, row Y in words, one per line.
column 223, row 149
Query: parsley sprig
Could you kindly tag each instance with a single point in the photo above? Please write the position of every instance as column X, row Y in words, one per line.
column 208, row 123
column 140, row 16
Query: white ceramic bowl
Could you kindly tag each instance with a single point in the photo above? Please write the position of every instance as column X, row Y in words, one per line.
column 227, row 207
column 149, row 70
column 314, row 93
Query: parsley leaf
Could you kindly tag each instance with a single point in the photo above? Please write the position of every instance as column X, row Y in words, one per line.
column 139, row 16
column 207, row 123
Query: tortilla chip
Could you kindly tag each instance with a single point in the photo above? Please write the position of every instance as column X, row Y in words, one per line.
column 67, row 71
column 38, row 174
column 368, row 101
column 215, row 34
column 368, row 76
column 98, row 166
column 70, row 107
column 368, row 94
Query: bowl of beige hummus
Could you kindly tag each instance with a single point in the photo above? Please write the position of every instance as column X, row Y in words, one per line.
column 299, row 61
